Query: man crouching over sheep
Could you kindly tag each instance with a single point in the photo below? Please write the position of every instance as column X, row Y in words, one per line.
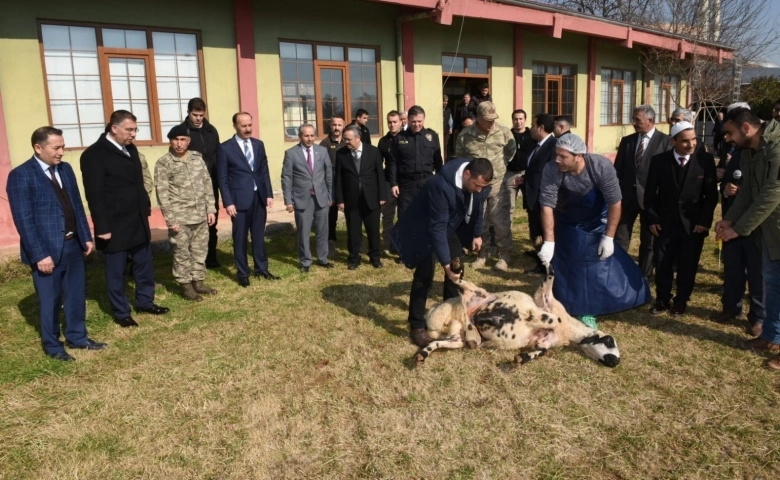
column 443, row 217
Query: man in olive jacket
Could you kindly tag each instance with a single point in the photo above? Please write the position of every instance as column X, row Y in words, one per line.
column 757, row 206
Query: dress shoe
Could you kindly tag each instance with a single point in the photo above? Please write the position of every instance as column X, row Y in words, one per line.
column 755, row 329
column 420, row 337
column 89, row 345
column 377, row 264
column 537, row 270
column 724, row 317
column 243, row 281
column 659, row 308
column 760, row 345
column 501, row 265
column 62, row 356
column 353, row 266
column 774, row 363
column 126, row 322
column 154, row 310
column 678, row 310
column 267, row 275
column 325, row 265
column 212, row 264
column 304, row 269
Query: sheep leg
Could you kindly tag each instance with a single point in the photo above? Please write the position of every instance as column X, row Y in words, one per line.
column 524, row 357
column 452, row 342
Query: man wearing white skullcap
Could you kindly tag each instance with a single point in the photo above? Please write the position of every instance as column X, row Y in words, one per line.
column 580, row 199
column 680, row 198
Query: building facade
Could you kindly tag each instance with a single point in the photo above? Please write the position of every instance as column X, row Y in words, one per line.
column 288, row 64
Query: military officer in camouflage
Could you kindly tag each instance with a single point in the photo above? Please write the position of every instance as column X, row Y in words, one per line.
column 186, row 198
column 488, row 139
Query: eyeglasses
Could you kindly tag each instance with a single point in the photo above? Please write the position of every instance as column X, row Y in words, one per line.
column 130, row 130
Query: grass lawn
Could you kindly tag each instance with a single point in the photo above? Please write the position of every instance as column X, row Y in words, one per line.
column 313, row 377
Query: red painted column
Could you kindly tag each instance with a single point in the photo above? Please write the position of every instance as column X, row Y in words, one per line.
column 519, row 46
column 590, row 121
column 245, row 53
column 8, row 233
column 407, row 53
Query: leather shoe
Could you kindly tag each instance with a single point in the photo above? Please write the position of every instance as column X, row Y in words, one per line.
column 377, row 264
column 154, row 310
column 678, row 310
column 213, row 264
column 353, row 266
column 760, row 345
column 659, row 308
column 126, row 322
column 62, row 356
column 243, row 281
column 724, row 317
column 89, row 345
column 304, row 269
column 267, row 275
column 325, row 265
column 420, row 337
column 538, row 270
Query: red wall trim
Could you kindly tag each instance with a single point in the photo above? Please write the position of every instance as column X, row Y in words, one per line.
column 245, row 53
column 407, row 53
column 518, row 67
column 590, row 120
column 8, row 233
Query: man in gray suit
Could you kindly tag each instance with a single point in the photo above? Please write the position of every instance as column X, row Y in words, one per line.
column 307, row 180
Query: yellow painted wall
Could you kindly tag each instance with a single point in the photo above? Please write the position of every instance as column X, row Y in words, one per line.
column 21, row 73
column 336, row 21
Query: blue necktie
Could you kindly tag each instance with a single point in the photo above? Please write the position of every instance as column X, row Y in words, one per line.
column 248, row 154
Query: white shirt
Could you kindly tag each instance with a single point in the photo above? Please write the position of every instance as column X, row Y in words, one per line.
column 241, row 146
column 645, row 139
column 459, row 184
column 538, row 146
column 677, row 157
column 121, row 148
column 45, row 168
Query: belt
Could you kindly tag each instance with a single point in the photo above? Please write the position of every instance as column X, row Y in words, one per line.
column 70, row 236
column 415, row 176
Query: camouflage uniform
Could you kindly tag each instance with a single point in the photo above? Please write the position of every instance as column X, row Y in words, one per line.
column 186, row 197
column 499, row 147
column 148, row 181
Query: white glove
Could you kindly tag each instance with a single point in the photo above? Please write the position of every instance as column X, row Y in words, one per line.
column 546, row 253
column 606, row 247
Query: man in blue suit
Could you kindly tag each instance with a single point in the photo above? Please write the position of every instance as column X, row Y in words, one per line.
column 245, row 184
column 55, row 237
column 444, row 216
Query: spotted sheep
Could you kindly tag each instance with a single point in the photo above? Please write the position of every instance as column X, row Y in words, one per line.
column 510, row 321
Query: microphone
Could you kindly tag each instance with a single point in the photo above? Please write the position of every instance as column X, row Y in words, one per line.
column 737, row 176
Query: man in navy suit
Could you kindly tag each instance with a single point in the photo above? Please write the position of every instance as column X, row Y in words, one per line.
column 54, row 234
column 245, row 184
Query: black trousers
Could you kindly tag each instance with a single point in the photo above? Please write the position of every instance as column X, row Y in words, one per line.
column 358, row 216
column 333, row 218
column 388, row 218
column 742, row 263
column 675, row 247
column 408, row 186
column 423, row 279
column 211, row 256
column 625, row 229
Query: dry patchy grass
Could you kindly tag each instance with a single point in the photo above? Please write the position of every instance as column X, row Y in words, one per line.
column 312, row 377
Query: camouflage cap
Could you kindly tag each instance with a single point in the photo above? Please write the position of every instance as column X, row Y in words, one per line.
column 487, row 111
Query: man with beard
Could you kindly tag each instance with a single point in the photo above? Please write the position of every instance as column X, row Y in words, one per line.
column 332, row 143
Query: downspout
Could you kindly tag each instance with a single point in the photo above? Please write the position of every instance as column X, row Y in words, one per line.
column 399, row 60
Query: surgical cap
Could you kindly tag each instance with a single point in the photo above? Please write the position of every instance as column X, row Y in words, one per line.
column 572, row 143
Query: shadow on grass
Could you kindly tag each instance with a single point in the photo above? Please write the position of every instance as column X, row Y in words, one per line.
column 30, row 310
column 387, row 296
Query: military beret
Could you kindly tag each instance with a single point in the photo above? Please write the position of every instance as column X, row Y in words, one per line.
column 178, row 131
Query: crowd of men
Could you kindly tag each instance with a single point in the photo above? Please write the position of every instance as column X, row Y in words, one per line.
column 421, row 200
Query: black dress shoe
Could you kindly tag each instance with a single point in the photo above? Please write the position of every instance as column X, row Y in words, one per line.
column 267, row 275
column 126, row 322
column 212, row 264
column 304, row 269
column 89, row 345
column 678, row 310
column 243, row 281
column 537, row 270
column 377, row 264
column 659, row 308
column 154, row 310
column 62, row 356
column 353, row 266
column 325, row 265
column 419, row 337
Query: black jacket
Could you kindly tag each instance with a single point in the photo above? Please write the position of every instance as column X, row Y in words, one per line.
column 532, row 183
column 462, row 112
column 204, row 140
column 414, row 153
column 117, row 199
column 385, row 144
column 332, row 147
column 368, row 183
column 632, row 180
column 674, row 196
column 365, row 135
column 525, row 145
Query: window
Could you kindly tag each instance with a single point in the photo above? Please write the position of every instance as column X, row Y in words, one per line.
column 553, row 90
column 92, row 71
column 462, row 66
column 321, row 80
column 666, row 91
column 617, row 96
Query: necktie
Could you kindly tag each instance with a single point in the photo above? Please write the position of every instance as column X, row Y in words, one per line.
column 683, row 161
column 54, row 179
column 356, row 155
column 124, row 150
column 640, row 152
column 248, row 154
column 309, row 161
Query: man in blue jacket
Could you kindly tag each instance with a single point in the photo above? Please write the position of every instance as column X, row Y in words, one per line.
column 443, row 217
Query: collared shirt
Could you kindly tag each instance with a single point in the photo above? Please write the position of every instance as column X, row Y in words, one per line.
column 241, row 143
column 121, row 148
column 459, row 184
column 677, row 157
column 538, row 146
column 306, row 150
column 645, row 138
column 45, row 168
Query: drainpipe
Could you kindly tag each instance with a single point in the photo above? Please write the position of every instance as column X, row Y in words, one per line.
column 399, row 60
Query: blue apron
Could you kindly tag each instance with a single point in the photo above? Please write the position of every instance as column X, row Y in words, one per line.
column 584, row 284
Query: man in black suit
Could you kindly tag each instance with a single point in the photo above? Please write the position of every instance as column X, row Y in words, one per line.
column 680, row 198
column 245, row 183
column 360, row 192
column 361, row 119
column 631, row 163
column 531, row 183
column 120, row 209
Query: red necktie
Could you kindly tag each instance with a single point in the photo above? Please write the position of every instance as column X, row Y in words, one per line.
column 309, row 161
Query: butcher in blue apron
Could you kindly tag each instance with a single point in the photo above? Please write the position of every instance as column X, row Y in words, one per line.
column 580, row 199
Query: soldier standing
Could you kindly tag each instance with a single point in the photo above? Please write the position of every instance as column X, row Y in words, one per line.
column 186, row 198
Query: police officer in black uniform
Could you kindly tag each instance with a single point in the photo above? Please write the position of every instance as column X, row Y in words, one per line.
column 414, row 157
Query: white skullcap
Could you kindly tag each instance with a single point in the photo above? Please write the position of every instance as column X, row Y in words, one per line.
column 737, row 105
column 572, row 143
column 679, row 127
